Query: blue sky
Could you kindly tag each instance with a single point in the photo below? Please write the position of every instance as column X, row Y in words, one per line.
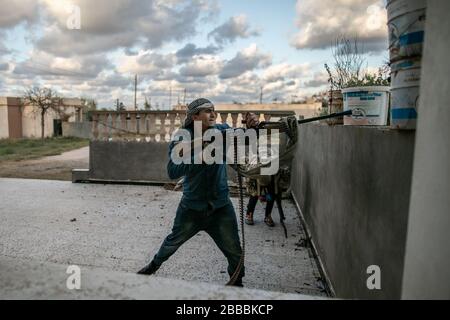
column 230, row 48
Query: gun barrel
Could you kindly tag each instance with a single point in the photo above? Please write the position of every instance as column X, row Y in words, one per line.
column 277, row 125
column 328, row 116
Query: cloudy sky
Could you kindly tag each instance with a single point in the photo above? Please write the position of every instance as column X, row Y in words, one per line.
column 225, row 50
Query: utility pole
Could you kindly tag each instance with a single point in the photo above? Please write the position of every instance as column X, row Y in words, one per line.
column 170, row 97
column 135, row 91
column 261, row 96
column 184, row 98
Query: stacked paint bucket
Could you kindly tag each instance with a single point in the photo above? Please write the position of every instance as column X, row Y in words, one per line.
column 406, row 23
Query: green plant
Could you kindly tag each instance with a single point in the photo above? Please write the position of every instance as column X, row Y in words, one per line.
column 348, row 70
column 6, row 151
column 370, row 79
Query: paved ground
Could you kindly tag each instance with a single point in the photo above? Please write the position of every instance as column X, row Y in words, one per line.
column 120, row 227
column 27, row 279
column 53, row 168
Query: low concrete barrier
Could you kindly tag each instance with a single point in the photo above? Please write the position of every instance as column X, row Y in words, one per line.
column 128, row 161
column 352, row 185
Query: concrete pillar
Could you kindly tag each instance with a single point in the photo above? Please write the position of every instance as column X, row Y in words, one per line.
column 427, row 258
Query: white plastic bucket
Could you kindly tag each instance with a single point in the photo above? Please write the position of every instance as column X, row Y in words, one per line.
column 405, row 89
column 406, row 24
column 370, row 105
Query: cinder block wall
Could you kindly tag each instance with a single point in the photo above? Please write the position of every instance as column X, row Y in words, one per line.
column 353, row 187
column 132, row 161
column 128, row 161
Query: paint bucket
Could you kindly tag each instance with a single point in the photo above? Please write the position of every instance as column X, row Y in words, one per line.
column 406, row 24
column 405, row 89
column 370, row 105
column 335, row 105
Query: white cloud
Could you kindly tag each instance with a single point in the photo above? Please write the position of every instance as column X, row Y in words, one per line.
column 235, row 27
column 3, row 49
column 120, row 38
column 284, row 71
column 110, row 80
column 146, row 63
column 245, row 87
column 246, row 60
column 319, row 79
column 111, row 24
column 189, row 50
column 4, row 66
column 278, row 86
column 321, row 22
column 202, row 66
column 43, row 64
column 15, row 12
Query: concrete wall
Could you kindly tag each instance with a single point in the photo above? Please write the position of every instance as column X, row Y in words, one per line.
column 427, row 260
column 15, row 118
column 353, row 186
column 77, row 129
column 18, row 122
column 10, row 118
column 31, row 122
column 128, row 160
column 4, row 127
column 132, row 161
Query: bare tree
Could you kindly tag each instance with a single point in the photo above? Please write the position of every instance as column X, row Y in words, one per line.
column 348, row 62
column 44, row 100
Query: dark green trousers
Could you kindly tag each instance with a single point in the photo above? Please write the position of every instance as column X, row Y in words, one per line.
column 219, row 223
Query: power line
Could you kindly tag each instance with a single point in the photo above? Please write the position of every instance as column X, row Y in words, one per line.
column 135, row 91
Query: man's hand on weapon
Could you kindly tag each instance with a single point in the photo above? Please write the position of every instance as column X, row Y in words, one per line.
column 251, row 120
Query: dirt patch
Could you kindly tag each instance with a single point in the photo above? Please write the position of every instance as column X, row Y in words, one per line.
column 56, row 170
column 49, row 168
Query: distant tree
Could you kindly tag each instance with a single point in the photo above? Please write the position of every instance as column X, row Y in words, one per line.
column 89, row 104
column 44, row 100
column 147, row 106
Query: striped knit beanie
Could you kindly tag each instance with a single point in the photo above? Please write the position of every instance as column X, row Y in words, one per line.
column 195, row 107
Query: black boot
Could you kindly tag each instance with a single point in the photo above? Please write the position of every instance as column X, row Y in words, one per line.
column 149, row 269
column 238, row 283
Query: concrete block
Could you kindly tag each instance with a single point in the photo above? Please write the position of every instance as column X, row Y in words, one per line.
column 80, row 175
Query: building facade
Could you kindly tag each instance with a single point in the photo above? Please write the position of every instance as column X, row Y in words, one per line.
column 24, row 121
